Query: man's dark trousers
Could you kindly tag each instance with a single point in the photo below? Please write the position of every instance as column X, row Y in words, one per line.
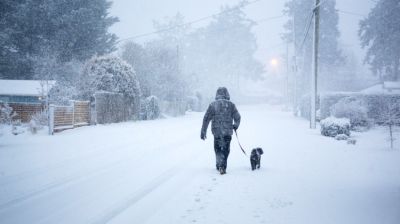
column 222, row 148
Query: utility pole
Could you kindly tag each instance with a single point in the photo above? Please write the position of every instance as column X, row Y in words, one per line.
column 177, row 59
column 287, row 76
column 314, row 78
column 294, row 67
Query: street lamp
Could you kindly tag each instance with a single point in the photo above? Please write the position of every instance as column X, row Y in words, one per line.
column 274, row 62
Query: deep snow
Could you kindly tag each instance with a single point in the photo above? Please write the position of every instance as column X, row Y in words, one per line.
column 161, row 172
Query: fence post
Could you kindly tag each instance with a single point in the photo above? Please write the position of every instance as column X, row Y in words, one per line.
column 72, row 102
column 51, row 119
column 92, row 110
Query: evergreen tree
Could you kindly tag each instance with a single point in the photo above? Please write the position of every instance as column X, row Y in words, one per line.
column 110, row 74
column 380, row 34
column 13, row 61
column 65, row 29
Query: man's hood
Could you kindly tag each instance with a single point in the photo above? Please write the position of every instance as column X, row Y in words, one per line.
column 222, row 94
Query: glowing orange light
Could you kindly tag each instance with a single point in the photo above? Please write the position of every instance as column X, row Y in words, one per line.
column 274, row 62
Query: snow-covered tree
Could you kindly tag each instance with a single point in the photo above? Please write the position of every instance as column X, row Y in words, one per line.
column 380, row 34
column 66, row 29
column 168, row 82
column 158, row 72
column 111, row 74
column 137, row 56
column 222, row 53
column 65, row 74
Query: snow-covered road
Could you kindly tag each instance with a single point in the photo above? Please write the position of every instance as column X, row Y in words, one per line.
column 161, row 172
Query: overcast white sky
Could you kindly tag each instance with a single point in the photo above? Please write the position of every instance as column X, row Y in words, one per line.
column 136, row 17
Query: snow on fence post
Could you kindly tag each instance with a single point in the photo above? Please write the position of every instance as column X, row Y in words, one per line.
column 51, row 119
column 72, row 103
column 93, row 111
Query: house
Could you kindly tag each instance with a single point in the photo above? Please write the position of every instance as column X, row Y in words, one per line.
column 24, row 91
column 383, row 88
column 26, row 97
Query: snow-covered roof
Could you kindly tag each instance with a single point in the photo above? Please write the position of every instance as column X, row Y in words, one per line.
column 385, row 88
column 25, row 87
column 391, row 85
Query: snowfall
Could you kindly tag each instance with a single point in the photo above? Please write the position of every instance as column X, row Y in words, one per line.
column 161, row 172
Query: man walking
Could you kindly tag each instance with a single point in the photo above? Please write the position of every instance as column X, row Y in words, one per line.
column 225, row 118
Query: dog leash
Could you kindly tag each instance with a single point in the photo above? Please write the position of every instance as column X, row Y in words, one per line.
column 240, row 144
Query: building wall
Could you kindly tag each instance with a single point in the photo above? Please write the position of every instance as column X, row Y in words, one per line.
column 19, row 99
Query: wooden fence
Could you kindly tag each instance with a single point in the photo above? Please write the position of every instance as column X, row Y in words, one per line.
column 25, row 111
column 67, row 117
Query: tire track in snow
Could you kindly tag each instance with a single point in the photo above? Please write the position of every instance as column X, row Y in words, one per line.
column 7, row 180
column 91, row 199
column 137, row 196
column 153, row 185
column 95, row 153
column 74, row 178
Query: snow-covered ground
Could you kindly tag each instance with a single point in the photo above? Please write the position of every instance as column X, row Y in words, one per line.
column 161, row 172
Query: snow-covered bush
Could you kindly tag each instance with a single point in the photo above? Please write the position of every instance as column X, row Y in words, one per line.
column 341, row 137
column 33, row 127
column 6, row 114
column 111, row 74
column 17, row 127
column 333, row 126
column 351, row 141
column 352, row 108
column 38, row 121
column 151, row 108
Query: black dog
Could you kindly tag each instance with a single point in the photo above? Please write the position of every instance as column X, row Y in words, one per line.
column 255, row 158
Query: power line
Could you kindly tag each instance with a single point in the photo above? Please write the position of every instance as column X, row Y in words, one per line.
column 307, row 30
column 308, row 26
column 269, row 19
column 350, row 13
column 189, row 23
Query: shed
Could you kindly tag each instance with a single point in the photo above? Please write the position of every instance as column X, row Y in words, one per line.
column 26, row 97
column 24, row 91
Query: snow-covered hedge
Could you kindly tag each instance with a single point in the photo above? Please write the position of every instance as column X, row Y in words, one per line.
column 150, row 108
column 333, row 126
column 352, row 108
column 115, row 107
column 375, row 103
